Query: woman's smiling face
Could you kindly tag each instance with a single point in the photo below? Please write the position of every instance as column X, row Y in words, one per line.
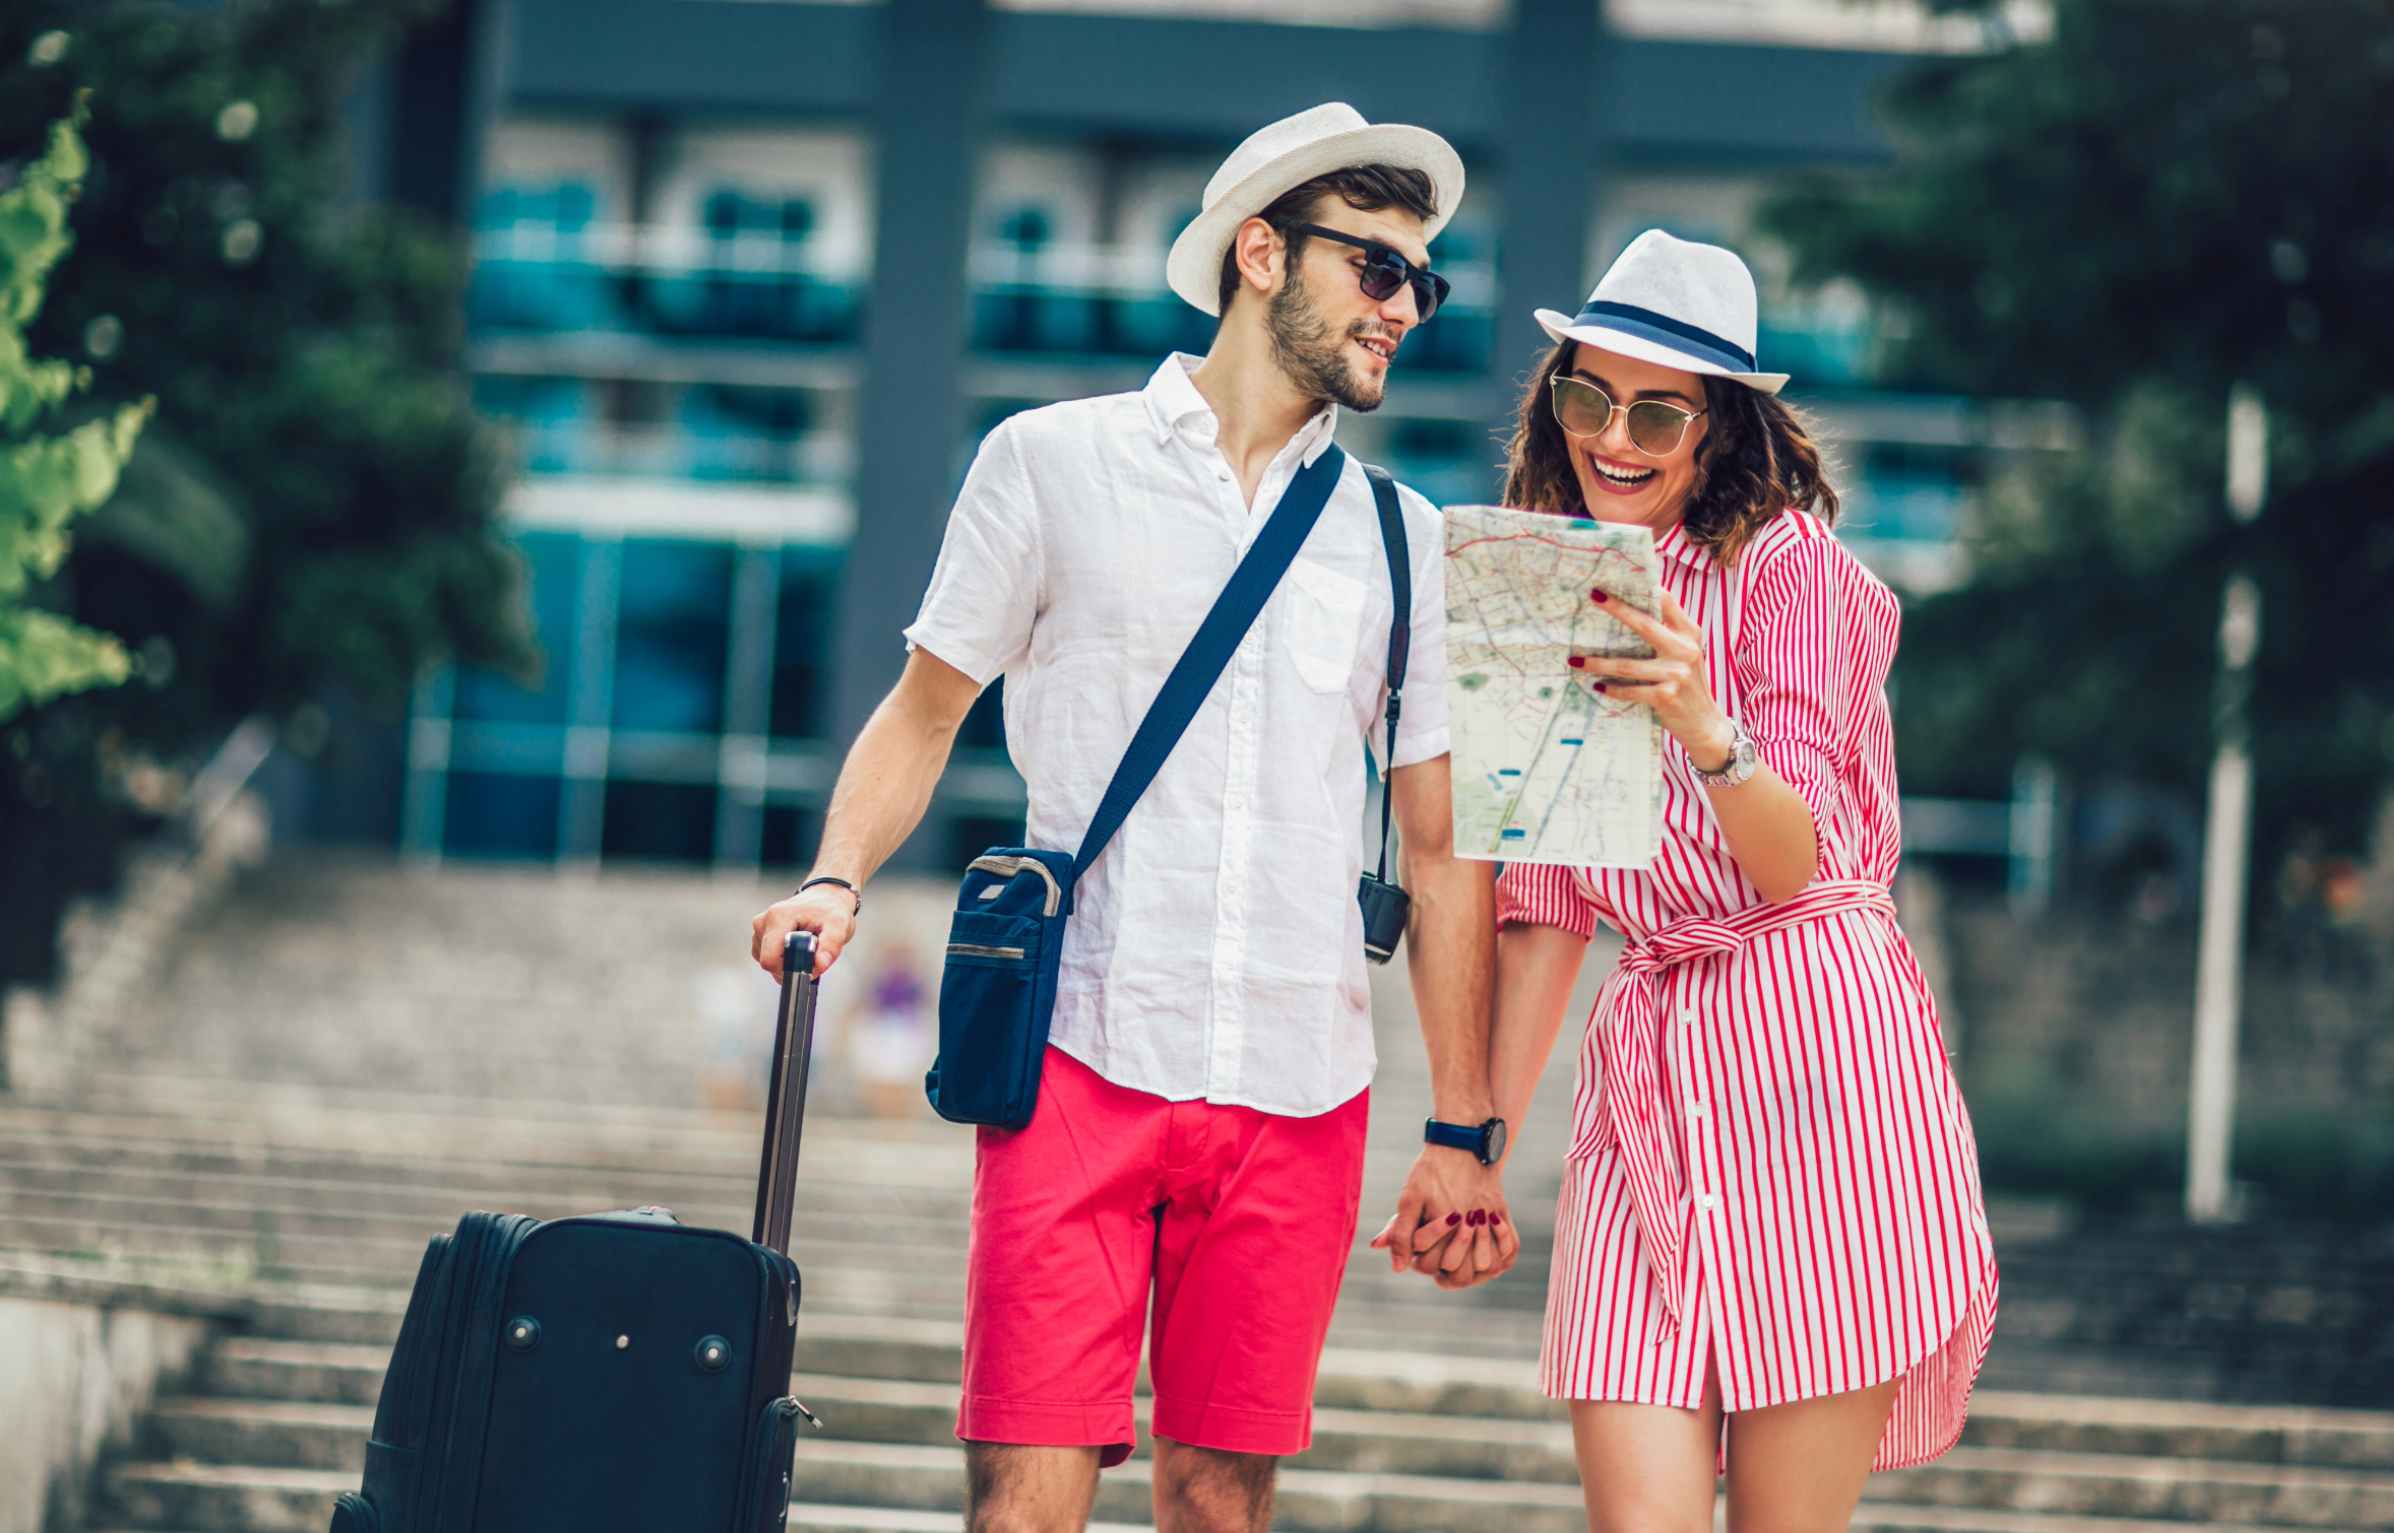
column 1620, row 482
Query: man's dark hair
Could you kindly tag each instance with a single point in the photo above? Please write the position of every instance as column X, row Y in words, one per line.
column 1365, row 188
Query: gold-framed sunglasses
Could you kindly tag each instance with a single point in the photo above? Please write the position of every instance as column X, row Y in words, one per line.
column 1656, row 426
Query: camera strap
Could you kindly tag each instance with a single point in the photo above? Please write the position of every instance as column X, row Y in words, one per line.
column 1400, row 633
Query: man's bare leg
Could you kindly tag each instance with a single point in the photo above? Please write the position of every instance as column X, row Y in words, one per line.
column 1204, row 1490
column 1014, row 1489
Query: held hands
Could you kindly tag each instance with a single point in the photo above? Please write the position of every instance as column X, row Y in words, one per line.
column 1451, row 1223
column 1672, row 683
column 827, row 910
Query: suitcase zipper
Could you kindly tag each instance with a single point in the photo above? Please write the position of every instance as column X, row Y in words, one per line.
column 983, row 950
column 1013, row 865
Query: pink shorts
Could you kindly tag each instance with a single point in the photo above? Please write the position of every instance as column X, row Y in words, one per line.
column 1237, row 1222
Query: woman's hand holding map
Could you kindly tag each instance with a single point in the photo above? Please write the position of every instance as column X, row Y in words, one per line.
column 1545, row 768
column 1672, row 683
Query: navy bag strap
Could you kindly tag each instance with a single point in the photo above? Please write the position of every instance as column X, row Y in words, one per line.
column 1400, row 631
column 1217, row 638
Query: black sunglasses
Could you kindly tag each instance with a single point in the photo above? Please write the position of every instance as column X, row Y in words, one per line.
column 1384, row 271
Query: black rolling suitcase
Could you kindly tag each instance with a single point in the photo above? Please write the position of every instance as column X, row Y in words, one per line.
column 604, row 1374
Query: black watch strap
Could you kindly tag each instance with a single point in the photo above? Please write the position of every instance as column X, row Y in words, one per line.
column 1484, row 1140
column 841, row 882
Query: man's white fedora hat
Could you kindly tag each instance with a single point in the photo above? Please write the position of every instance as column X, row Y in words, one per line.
column 1290, row 153
column 1675, row 302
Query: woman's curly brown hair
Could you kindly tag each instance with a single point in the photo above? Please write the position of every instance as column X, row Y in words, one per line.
column 1757, row 459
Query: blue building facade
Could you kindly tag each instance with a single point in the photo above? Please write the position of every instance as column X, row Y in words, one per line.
column 751, row 280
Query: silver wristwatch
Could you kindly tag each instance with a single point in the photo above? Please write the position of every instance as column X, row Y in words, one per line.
column 1740, row 765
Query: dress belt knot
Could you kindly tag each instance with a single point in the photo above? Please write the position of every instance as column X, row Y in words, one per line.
column 1630, row 1043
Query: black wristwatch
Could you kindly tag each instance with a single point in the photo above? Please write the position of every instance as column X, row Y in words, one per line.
column 1486, row 1140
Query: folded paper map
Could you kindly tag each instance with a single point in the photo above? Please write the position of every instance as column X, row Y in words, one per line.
column 1545, row 770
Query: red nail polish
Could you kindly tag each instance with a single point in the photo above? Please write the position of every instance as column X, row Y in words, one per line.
column 1599, row 595
column 1453, row 1219
column 1600, row 686
column 1577, row 661
column 1495, row 1218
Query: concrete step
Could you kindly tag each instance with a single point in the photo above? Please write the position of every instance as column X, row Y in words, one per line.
column 2165, row 1489
column 925, row 1283
column 254, row 1209
column 920, row 1282
column 369, row 1318
column 814, row 1517
column 201, row 1196
column 811, row 1517
column 247, row 1369
column 876, row 1380
column 929, row 1480
column 478, row 1147
column 407, row 1192
column 366, row 1317
column 363, row 1243
column 708, row 1162
column 933, row 1177
column 285, row 1434
column 812, row 1226
column 279, row 1434
column 217, row 1496
column 898, row 1241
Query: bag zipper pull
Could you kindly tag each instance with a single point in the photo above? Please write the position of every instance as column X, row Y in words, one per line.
column 812, row 1419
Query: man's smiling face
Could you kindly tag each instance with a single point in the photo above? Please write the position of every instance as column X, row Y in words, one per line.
column 1333, row 341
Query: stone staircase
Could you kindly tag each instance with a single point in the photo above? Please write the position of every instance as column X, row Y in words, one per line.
column 347, row 1056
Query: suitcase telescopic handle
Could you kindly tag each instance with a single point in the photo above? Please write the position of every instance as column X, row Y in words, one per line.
column 785, row 1098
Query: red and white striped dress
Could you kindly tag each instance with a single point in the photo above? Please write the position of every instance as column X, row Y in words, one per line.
column 1771, row 1170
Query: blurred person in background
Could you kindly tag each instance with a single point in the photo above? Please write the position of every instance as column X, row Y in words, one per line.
column 1200, row 1125
column 896, row 1036
column 1771, row 1251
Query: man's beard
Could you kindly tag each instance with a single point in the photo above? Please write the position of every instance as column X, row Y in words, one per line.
column 1315, row 361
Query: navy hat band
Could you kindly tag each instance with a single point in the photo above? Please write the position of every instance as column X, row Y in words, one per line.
column 1662, row 329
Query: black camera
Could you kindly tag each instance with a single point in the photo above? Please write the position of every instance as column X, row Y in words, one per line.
column 1385, row 907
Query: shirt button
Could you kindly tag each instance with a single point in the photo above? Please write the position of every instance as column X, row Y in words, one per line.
column 1696, row 1110
column 1687, row 1014
column 1706, row 1202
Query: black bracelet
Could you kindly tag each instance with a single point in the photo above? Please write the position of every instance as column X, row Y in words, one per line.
column 857, row 893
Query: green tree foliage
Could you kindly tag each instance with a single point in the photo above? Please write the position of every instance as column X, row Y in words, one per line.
column 2161, row 199
column 313, row 510
column 46, row 480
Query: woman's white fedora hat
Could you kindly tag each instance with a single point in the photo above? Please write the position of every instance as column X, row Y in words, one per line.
column 1290, row 153
column 1675, row 302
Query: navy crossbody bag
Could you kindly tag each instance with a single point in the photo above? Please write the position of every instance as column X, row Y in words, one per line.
column 998, row 990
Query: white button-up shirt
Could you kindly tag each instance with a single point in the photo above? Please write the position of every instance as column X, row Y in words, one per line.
column 1215, row 950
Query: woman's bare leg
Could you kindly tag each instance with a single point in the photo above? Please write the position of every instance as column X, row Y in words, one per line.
column 1799, row 1468
column 1647, row 1468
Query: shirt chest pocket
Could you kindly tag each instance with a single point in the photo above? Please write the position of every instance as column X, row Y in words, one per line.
column 1322, row 618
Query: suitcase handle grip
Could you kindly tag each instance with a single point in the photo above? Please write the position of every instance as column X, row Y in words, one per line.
column 785, row 1098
